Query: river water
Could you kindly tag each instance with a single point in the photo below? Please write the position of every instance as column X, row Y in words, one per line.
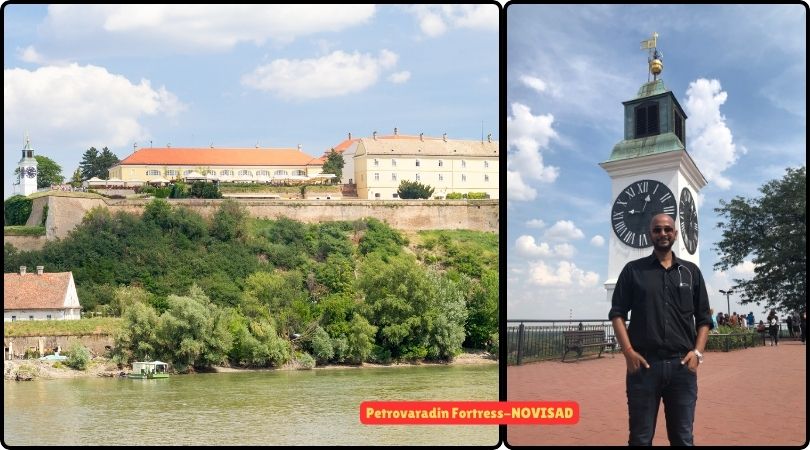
column 314, row 407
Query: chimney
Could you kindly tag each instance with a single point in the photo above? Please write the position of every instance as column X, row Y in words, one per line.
column 299, row 147
column 420, row 136
column 395, row 131
column 489, row 137
column 39, row 269
column 350, row 136
column 444, row 137
column 22, row 270
column 374, row 135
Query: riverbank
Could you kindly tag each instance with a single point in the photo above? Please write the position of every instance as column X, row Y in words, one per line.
column 29, row 369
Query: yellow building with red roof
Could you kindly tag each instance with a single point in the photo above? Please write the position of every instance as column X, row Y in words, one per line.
column 447, row 165
column 222, row 164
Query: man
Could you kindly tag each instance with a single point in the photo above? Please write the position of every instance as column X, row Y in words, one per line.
column 664, row 344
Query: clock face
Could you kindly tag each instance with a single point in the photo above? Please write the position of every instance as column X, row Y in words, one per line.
column 31, row 172
column 689, row 221
column 635, row 207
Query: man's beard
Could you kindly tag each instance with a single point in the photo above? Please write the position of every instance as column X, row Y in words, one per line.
column 661, row 248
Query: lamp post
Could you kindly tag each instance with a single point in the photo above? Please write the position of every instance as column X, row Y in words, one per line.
column 728, row 303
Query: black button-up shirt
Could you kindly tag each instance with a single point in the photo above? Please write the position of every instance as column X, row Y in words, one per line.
column 668, row 305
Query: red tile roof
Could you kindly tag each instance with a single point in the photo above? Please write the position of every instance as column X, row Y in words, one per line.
column 218, row 157
column 32, row 291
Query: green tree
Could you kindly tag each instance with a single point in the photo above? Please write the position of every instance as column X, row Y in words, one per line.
column 95, row 164
column 76, row 179
column 17, row 209
column 137, row 339
column 334, row 164
column 230, row 221
column 414, row 189
column 771, row 229
column 78, row 356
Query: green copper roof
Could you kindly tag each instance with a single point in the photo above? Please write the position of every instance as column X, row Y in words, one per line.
column 633, row 148
column 652, row 88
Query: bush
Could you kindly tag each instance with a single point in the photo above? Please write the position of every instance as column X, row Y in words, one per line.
column 454, row 196
column 201, row 189
column 17, row 209
column 477, row 195
column 414, row 189
column 305, row 361
column 78, row 356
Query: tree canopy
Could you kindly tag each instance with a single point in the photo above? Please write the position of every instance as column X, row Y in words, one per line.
column 334, row 164
column 95, row 164
column 414, row 189
column 771, row 229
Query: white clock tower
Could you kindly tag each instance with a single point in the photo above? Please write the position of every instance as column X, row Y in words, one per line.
column 651, row 173
column 28, row 169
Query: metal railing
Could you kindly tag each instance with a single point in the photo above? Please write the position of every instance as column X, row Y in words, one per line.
column 536, row 340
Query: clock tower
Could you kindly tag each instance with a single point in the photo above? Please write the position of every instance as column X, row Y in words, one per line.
column 28, row 169
column 651, row 172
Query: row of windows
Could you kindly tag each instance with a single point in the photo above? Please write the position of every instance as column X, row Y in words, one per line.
column 419, row 163
column 14, row 318
column 259, row 173
column 418, row 178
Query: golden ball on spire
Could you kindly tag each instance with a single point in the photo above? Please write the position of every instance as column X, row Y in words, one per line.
column 656, row 66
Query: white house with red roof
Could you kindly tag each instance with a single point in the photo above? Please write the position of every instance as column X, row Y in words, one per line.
column 40, row 296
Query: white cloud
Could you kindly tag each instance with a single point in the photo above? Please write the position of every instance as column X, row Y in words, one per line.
column 84, row 105
column 566, row 274
column 712, row 146
column 200, row 27
column 597, row 241
column 435, row 20
column 566, row 251
column 518, row 190
column 333, row 75
column 399, row 77
column 564, row 230
column 528, row 134
column 744, row 270
column 30, row 55
column 535, row 83
column 526, row 246
column 535, row 223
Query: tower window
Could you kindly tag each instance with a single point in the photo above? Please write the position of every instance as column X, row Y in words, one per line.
column 646, row 119
column 678, row 125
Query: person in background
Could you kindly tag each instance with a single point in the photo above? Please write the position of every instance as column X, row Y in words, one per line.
column 714, row 321
column 803, row 325
column 750, row 319
column 797, row 325
column 773, row 328
column 789, row 322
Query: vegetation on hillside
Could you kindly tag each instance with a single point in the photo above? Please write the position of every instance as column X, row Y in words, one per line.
column 199, row 292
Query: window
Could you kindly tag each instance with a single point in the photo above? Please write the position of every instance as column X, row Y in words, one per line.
column 440, row 163
column 486, row 178
column 226, row 172
column 417, row 177
column 463, row 164
column 393, row 177
column 299, row 173
column 186, row 172
column 463, row 177
column 393, row 163
column 376, row 162
column 395, row 195
column 417, row 163
column 30, row 317
column 280, row 173
column 48, row 317
column 262, row 173
column 13, row 318
column 646, row 116
column 486, row 164
column 441, row 178
column 376, row 176
column 377, row 195
column 152, row 173
column 245, row 172
column 678, row 128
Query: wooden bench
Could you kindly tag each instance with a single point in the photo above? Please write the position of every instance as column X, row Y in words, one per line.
column 579, row 340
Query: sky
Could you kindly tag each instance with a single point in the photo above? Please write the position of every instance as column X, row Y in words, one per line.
column 739, row 72
column 81, row 76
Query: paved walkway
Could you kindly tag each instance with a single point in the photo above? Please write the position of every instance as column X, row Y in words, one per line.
column 754, row 396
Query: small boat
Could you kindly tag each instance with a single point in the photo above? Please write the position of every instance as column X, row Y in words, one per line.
column 148, row 370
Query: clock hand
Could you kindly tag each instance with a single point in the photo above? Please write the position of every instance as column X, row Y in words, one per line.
column 646, row 200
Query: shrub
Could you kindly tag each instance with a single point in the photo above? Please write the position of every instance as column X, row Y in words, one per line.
column 454, row 196
column 477, row 195
column 305, row 361
column 322, row 346
column 17, row 209
column 414, row 189
column 78, row 356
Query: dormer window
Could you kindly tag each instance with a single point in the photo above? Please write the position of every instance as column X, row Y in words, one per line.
column 647, row 123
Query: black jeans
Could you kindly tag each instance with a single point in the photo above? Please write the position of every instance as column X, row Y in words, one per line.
column 677, row 385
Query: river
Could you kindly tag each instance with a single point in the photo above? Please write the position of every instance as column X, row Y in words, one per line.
column 314, row 407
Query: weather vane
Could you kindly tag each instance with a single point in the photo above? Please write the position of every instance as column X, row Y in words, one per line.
column 656, row 65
